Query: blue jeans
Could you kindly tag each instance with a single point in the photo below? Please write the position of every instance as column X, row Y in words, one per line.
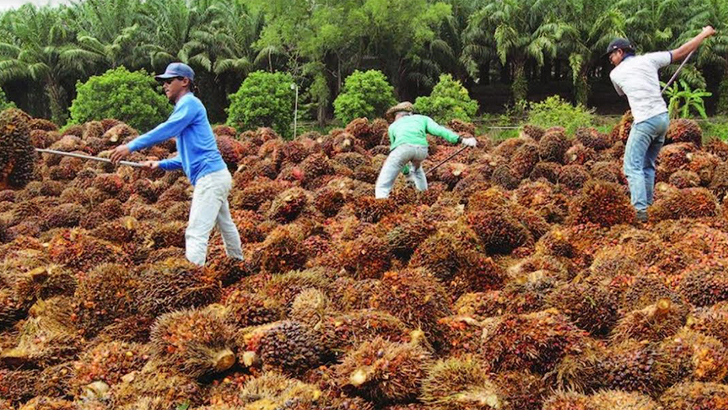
column 643, row 145
column 210, row 208
column 397, row 159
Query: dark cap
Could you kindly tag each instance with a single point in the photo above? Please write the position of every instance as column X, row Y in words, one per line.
column 177, row 70
column 619, row 44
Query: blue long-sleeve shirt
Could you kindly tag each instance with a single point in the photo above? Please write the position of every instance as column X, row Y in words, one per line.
column 197, row 153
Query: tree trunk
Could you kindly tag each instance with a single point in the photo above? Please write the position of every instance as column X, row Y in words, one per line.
column 520, row 83
column 58, row 106
column 581, row 88
column 722, row 107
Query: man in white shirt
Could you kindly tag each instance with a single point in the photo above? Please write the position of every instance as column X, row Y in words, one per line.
column 637, row 78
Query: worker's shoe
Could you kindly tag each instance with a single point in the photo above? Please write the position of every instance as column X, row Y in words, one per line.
column 642, row 216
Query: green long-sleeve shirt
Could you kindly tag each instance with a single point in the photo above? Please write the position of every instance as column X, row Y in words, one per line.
column 413, row 129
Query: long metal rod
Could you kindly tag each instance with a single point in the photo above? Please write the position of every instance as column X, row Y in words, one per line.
column 446, row 159
column 75, row 155
column 674, row 76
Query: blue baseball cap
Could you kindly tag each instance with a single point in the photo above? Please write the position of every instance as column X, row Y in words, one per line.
column 177, row 70
column 619, row 44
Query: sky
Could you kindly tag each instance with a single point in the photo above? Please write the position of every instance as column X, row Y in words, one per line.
column 14, row 4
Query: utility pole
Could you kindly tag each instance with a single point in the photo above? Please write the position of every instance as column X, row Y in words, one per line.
column 294, row 86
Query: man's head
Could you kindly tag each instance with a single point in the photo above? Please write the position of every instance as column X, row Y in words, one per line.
column 399, row 110
column 177, row 79
column 618, row 49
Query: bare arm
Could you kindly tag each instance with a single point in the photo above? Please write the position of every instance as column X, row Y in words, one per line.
column 685, row 49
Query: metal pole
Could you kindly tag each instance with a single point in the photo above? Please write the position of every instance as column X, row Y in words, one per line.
column 674, row 76
column 446, row 159
column 295, row 110
column 81, row 156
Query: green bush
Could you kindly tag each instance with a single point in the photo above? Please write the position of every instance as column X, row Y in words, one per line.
column 555, row 111
column 133, row 97
column 365, row 94
column 715, row 128
column 448, row 100
column 4, row 103
column 263, row 100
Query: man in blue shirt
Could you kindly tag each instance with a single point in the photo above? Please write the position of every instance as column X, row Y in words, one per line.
column 199, row 158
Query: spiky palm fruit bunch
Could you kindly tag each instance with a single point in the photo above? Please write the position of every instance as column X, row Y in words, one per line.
column 345, row 331
column 654, row 322
column 383, row 371
column 573, row 177
column 42, row 124
column 55, row 381
column 639, row 366
column 686, row 203
column 310, row 307
column 40, row 139
column 131, row 329
column 601, row 203
column 527, row 292
column 504, row 176
column 256, row 193
column 536, row 224
column 362, row 131
column 695, row 396
column 579, row 154
column 415, row 297
column 288, row 205
column 546, row 170
column 711, row 321
column 108, row 362
column 119, row 133
column 111, row 184
column 704, row 165
column 719, row 184
column 349, row 294
column 18, row 154
column 17, row 386
column 532, row 131
column 705, row 284
column 461, row 335
column 568, row 400
column 165, row 235
column 232, row 150
column 610, row 171
column 64, row 216
column 552, row 146
column 31, row 276
column 592, row 138
column 524, row 159
column 175, row 284
column 644, row 291
column 684, row 179
column 330, row 199
column 621, row 131
column 47, row 337
column 370, row 209
column 698, row 357
column 103, row 295
column 271, row 390
column 498, row 230
column 464, row 384
column 315, row 166
column 284, row 288
column 480, row 305
column 156, row 381
column 536, row 341
column 287, row 346
column 684, row 130
column 366, row 257
column 178, row 212
column 196, row 342
column 717, row 147
column 404, row 238
column 508, row 147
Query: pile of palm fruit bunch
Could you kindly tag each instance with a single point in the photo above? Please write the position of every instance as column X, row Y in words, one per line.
column 519, row 280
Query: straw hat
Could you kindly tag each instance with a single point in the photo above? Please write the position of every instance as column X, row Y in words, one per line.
column 403, row 106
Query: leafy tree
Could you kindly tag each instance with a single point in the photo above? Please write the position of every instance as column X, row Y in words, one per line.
column 521, row 31
column 263, row 100
column 365, row 94
column 555, row 111
column 683, row 99
column 39, row 48
column 449, row 100
column 131, row 97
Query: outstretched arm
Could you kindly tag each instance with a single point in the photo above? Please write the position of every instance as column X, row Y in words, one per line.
column 681, row 52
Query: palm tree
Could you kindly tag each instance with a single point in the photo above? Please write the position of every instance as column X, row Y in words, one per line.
column 521, row 31
column 587, row 28
column 111, row 30
column 40, row 48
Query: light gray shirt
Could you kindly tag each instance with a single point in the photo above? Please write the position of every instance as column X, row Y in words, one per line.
column 637, row 77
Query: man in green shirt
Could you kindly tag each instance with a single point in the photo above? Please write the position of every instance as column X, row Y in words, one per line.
column 408, row 144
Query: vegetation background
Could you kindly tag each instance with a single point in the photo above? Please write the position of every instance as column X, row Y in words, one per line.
column 504, row 52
